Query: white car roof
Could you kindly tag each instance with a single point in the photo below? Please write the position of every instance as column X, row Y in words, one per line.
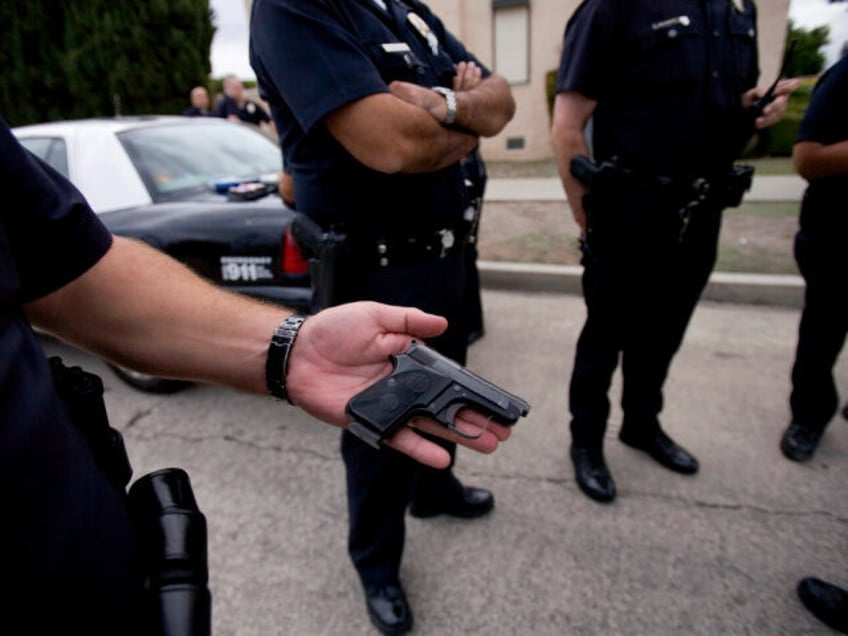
column 98, row 164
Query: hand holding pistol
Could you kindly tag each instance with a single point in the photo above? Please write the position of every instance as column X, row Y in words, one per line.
column 425, row 383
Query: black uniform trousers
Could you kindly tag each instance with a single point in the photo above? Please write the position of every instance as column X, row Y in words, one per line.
column 642, row 279
column 821, row 333
column 382, row 483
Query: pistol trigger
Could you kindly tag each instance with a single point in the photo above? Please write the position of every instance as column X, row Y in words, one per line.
column 451, row 413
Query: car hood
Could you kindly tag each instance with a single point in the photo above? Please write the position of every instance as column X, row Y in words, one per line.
column 209, row 217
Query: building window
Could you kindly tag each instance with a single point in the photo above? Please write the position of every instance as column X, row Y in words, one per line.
column 512, row 39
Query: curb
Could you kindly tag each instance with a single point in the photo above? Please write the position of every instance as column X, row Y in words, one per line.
column 747, row 289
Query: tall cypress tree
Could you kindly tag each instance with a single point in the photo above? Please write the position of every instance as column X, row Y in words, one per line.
column 64, row 59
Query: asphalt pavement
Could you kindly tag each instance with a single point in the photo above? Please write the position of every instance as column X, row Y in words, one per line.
column 717, row 553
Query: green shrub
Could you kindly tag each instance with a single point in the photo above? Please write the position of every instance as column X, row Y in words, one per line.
column 94, row 58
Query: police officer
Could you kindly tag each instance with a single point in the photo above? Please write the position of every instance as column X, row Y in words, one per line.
column 668, row 86
column 71, row 558
column 236, row 107
column 199, row 97
column 376, row 104
column 821, row 157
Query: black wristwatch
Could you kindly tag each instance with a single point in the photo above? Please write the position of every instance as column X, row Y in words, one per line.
column 277, row 363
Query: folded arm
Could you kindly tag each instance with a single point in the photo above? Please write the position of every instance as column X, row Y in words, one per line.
column 401, row 131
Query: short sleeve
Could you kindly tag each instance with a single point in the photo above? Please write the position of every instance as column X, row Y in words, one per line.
column 296, row 39
column 53, row 234
column 588, row 51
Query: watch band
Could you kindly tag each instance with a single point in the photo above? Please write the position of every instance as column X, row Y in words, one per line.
column 450, row 100
column 277, row 362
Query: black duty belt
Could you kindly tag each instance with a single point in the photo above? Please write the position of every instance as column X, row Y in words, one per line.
column 389, row 251
column 725, row 189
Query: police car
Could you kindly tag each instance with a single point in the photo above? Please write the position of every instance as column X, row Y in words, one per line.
column 203, row 190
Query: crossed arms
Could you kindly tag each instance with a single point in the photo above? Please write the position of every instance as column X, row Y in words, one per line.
column 411, row 136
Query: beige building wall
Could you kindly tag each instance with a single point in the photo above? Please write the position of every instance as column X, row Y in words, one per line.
column 472, row 22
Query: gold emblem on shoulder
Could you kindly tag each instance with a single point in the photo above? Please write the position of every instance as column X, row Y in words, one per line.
column 424, row 30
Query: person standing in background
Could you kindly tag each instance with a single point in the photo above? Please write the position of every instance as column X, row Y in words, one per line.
column 235, row 106
column 670, row 87
column 199, row 103
column 821, row 157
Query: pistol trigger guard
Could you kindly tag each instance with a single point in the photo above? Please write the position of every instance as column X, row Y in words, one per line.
column 451, row 413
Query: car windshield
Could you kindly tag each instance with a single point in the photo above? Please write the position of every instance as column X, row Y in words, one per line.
column 176, row 161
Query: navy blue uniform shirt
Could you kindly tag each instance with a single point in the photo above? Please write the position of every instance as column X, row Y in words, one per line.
column 668, row 76
column 825, row 122
column 312, row 57
column 48, row 237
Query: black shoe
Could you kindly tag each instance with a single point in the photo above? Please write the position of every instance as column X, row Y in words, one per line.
column 799, row 442
column 663, row 449
column 827, row 602
column 466, row 503
column 388, row 609
column 593, row 476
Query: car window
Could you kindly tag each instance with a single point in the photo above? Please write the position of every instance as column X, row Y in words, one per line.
column 178, row 160
column 51, row 150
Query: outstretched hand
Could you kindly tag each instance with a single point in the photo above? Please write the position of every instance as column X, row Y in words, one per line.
column 343, row 350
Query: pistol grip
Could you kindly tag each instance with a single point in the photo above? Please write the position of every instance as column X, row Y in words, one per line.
column 382, row 408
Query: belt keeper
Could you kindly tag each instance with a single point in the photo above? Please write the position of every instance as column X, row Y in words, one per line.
column 279, row 351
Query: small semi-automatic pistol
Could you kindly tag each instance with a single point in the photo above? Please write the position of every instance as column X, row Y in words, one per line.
column 427, row 384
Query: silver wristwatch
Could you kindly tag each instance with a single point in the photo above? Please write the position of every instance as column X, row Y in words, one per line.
column 450, row 99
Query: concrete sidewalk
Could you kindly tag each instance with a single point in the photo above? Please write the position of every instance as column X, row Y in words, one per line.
column 786, row 291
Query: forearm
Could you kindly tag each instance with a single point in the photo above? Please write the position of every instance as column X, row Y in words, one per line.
column 567, row 145
column 390, row 135
column 486, row 108
column 139, row 308
column 816, row 161
column 571, row 113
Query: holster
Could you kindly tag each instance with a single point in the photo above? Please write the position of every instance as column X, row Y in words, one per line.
column 329, row 259
column 82, row 394
column 738, row 183
column 172, row 530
